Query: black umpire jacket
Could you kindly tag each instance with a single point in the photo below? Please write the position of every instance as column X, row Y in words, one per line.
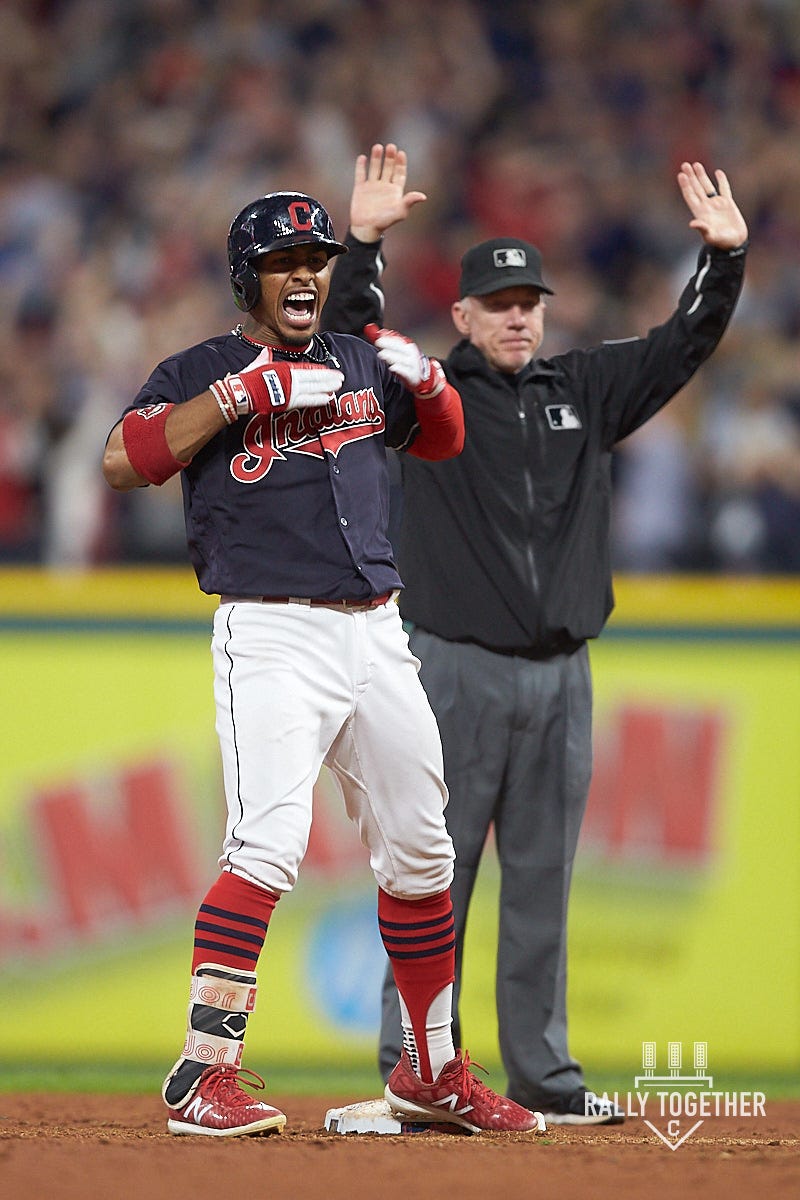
column 508, row 545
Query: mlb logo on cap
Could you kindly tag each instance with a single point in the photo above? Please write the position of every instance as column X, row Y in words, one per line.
column 501, row 262
column 510, row 257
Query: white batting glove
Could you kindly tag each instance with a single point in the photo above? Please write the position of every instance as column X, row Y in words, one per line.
column 422, row 375
column 266, row 386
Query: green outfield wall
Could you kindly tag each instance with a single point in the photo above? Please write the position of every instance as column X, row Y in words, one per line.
column 685, row 921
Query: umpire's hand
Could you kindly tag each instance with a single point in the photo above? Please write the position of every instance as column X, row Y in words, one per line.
column 715, row 215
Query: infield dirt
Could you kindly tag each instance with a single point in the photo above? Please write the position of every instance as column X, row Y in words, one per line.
column 70, row 1147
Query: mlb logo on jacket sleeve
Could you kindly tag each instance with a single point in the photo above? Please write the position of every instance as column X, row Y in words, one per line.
column 562, row 416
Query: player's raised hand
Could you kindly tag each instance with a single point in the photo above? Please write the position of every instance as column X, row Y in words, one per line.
column 715, row 214
column 422, row 375
column 379, row 198
column 266, row 387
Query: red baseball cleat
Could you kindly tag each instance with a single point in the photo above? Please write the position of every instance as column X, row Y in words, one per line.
column 457, row 1097
column 218, row 1107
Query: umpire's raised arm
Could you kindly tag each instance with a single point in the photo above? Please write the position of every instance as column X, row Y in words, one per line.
column 378, row 201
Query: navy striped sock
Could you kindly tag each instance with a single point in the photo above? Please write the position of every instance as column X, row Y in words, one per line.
column 232, row 923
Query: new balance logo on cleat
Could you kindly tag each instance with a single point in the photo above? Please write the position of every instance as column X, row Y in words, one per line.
column 457, row 1097
column 218, row 1107
column 452, row 1103
column 195, row 1110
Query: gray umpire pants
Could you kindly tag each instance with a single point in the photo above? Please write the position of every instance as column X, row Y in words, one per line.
column 517, row 753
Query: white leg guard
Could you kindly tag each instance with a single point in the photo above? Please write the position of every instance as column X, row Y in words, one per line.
column 220, row 1003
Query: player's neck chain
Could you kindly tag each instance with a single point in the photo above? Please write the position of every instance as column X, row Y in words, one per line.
column 316, row 349
column 240, row 333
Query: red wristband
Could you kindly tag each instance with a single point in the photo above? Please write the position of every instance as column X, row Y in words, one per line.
column 145, row 440
column 434, row 383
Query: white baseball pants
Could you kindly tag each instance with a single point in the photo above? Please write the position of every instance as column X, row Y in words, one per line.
column 298, row 686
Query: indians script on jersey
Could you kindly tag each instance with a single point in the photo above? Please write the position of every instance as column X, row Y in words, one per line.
column 313, row 431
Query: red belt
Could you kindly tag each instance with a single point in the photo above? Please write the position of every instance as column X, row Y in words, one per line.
column 343, row 605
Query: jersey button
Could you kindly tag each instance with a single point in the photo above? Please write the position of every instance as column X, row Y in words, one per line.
column 343, row 521
column 336, row 470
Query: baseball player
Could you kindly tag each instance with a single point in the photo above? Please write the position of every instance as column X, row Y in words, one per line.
column 280, row 436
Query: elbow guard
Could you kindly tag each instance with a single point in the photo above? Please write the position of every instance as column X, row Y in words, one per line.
column 145, row 440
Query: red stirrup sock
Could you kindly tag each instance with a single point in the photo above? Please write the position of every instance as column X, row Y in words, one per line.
column 419, row 937
column 232, row 923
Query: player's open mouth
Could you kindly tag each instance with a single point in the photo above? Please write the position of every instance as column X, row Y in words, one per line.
column 300, row 307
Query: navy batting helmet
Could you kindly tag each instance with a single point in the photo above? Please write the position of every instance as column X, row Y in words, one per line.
column 279, row 219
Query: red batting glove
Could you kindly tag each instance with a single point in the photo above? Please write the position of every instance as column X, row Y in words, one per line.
column 274, row 387
column 422, row 375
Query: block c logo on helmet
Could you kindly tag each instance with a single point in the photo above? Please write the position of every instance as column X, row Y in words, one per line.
column 300, row 216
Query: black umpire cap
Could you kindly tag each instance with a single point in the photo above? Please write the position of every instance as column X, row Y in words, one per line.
column 500, row 263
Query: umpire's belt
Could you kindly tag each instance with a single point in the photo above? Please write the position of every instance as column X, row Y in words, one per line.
column 342, row 605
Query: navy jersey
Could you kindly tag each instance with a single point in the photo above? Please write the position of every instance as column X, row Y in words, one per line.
column 293, row 503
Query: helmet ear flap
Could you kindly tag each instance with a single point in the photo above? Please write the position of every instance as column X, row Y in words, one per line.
column 246, row 287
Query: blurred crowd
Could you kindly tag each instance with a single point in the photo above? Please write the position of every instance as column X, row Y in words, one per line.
column 133, row 131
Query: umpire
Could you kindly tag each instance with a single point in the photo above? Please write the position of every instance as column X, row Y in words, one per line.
column 506, row 565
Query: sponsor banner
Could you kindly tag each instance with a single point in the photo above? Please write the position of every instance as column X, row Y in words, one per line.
column 687, row 885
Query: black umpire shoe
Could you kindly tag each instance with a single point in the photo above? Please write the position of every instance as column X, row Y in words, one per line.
column 582, row 1108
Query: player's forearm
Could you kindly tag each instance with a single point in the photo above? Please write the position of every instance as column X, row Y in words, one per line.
column 192, row 425
column 187, row 428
